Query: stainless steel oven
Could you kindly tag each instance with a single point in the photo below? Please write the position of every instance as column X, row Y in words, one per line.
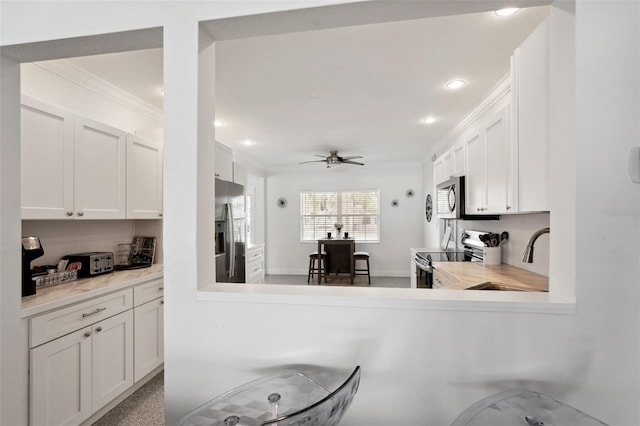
column 427, row 274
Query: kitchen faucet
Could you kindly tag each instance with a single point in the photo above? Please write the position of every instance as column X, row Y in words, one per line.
column 528, row 252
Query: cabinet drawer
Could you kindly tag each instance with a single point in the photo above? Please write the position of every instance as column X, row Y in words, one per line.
column 148, row 291
column 255, row 267
column 54, row 324
column 255, row 253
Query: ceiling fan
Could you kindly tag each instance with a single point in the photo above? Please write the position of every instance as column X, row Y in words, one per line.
column 334, row 160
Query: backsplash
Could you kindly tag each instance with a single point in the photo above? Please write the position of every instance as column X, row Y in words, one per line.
column 62, row 237
column 520, row 228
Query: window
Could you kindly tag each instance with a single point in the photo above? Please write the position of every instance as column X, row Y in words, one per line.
column 358, row 211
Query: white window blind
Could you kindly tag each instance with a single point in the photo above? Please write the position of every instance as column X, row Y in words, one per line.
column 357, row 210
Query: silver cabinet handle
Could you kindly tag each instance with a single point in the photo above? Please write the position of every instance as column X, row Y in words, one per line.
column 69, row 213
column 160, row 214
column 160, row 288
column 87, row 334
column 508, row 207
column 99, row 329
column 94, row 312
column 162, row 302
column 80, row 213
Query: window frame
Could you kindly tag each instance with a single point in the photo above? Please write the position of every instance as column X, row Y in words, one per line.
column 340, row 215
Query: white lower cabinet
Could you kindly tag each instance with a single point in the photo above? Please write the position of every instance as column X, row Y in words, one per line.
column 84, row 355
column 75, row 375
column 60, row 380
column 255, row 265
column 149, row 337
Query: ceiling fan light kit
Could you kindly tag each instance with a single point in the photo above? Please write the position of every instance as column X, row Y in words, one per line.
column 334, row 160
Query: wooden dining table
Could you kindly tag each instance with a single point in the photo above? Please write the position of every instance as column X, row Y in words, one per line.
column 328, row 242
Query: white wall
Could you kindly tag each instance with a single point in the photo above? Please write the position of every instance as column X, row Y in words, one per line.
column 426, row 364
column 400, row 227
column 42, row 84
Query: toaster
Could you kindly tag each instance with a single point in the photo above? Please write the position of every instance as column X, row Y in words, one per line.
column 93, row 263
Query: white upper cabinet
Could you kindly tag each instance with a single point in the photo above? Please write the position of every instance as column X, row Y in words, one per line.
column 77, row 168
column 100, row 159
column 224, row 162
column 451, row 163
column 488, row 161
column 530, row 81
column 144, row 178
column 47, row 161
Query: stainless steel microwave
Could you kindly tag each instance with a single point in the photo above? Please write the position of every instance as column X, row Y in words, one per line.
column 450, row 198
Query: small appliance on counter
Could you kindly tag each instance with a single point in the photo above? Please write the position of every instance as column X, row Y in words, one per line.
column 31, row 250
column 92, row 263
column 139, row 254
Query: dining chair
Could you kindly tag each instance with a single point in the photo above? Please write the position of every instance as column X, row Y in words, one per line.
column 361, row 256
column 321, row 268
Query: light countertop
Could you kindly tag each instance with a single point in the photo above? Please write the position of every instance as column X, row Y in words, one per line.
column 53, row 297
column 469, row 274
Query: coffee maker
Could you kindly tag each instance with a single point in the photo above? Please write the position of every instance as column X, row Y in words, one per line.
column 31, row 250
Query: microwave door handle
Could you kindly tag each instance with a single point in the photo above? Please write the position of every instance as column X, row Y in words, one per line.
column 232, row 240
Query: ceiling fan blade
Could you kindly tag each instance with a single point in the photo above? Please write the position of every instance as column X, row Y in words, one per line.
column 352, row 162
column 314, row 161
column 321, row 156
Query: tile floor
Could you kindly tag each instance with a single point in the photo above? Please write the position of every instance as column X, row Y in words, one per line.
column 359, row 281
column 145, row 407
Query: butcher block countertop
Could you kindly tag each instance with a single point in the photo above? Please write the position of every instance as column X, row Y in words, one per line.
column 55, row 296
column 470, row 274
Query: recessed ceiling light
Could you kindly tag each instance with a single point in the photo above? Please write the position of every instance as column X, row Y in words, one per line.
column 248, row 142
column 508, row 11
column 219, row 123
column 429, row 120
column 455, row 84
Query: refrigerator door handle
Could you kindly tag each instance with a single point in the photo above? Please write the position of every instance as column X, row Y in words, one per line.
column 232, row 241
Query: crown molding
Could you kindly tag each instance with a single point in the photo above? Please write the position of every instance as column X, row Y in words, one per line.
column 82, row 77
column 497, row 91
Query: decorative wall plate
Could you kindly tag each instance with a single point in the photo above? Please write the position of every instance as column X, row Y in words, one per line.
column 428, row 208
column 282, row 202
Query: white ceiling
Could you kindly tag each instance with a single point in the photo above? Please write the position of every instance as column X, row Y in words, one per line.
column 362, row 90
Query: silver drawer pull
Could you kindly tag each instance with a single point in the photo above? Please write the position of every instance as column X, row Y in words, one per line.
column 162, row 302
column 87, row 334
column 99, row 329
column 160, row 288
column 94, row 312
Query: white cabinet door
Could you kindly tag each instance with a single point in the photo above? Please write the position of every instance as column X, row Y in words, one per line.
column 100, row 158
column 224, row 162
column 60, row 380
column 459, row 168
column 475, row 179
column 112, row 358
column 530, row 75
column 47, row 161
column 144, row 178
column 496, row 131
column 149, row 337
column 489, row 161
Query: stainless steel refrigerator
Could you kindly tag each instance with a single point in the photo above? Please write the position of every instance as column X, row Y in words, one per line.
column 230, row 232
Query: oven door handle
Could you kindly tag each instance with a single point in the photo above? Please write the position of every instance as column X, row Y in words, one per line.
column 419, row 265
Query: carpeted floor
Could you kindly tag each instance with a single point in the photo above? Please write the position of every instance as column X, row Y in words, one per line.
column 145, row 407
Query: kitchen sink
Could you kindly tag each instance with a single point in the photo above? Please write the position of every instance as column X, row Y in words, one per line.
column 494, row 286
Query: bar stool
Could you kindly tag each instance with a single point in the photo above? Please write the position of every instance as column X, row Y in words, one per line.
column 361, row 255
column 320, row 269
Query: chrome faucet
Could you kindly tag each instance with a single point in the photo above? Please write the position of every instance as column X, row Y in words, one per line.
column 527, row 257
